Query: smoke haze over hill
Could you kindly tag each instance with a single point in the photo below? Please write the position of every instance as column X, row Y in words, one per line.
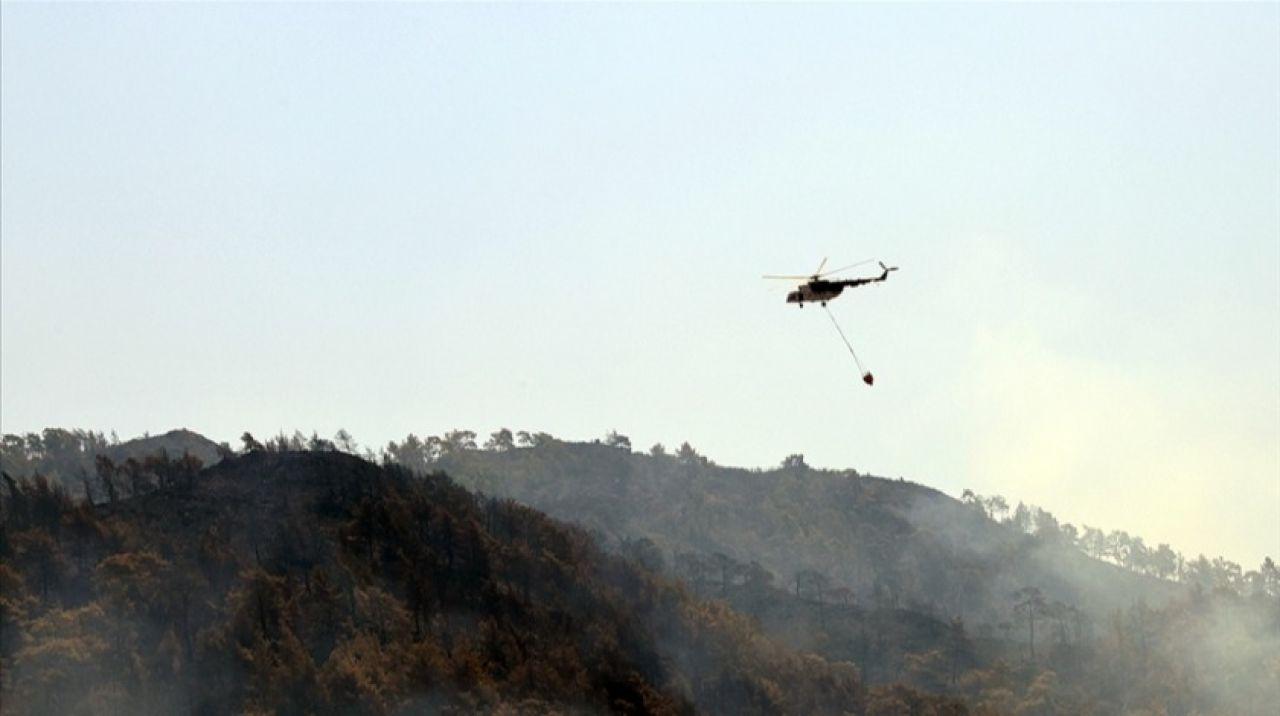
column 399, row 226
column 891, row 592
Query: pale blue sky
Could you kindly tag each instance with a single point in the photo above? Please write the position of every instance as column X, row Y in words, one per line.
column 397, row 218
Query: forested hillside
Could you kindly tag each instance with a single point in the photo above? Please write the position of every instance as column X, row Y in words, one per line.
column 316, row 582
column 295, row 577
column 1007, row 607
column 891, row 541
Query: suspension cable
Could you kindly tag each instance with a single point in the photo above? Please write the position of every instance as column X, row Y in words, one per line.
column 866, row 375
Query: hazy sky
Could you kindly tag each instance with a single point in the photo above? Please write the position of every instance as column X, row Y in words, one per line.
column 396, row 218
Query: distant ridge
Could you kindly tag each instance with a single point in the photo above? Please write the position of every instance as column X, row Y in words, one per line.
column 174, row 442
column 69, row 457
column 886, row 539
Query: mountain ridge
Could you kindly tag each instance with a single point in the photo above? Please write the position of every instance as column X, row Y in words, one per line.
column 787, row 518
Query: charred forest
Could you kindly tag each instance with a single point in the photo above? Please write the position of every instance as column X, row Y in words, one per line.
column 528, row 574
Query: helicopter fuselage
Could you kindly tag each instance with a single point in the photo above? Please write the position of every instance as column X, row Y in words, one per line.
column 820, row 291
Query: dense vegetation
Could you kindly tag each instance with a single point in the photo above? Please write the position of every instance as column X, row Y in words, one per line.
column 294, row 578
column 892, row 537
column 296, row 582
column 1008, row 608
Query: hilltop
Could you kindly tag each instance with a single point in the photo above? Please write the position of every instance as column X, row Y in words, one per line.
column 70, row 457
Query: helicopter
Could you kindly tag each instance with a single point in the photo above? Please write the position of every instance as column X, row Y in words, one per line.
column 818, row 288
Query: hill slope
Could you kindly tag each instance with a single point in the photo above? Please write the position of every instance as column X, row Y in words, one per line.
column 910, row 584
column 320, row 583
column 887, row 540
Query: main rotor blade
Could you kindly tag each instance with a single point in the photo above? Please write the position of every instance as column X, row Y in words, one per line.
column 846, row 268
column 789, row 278
column 819, row 271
